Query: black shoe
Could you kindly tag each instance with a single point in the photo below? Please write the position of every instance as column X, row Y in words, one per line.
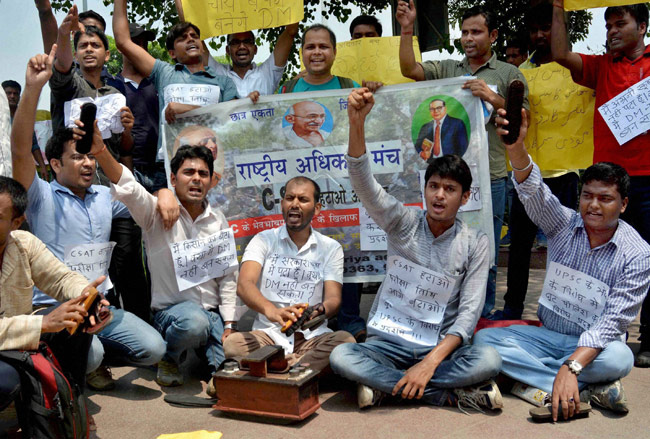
column 642, row 358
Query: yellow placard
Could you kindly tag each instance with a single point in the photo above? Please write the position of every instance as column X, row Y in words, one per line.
column 561, row 131
column 576, row 5
column 371, row 59
column 201, row 434
column 222, row 17
column 42, row 115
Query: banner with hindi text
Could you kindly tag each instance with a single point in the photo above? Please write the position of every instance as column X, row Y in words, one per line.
column 261, row 146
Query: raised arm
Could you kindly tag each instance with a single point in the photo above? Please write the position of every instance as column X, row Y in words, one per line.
column 360, row 102
column 559, row 42
column 63, row 62
column 139, row 57
column 39, row 71
column 105, row 159
column 49, row 27
column 405, row 16
column 284, row 44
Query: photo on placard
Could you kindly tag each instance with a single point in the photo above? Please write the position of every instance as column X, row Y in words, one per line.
column 440, row 126
column 307, row 124
column 199, row 135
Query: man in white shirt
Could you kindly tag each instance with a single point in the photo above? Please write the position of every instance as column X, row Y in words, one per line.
column 284, row 270
column 248, row 76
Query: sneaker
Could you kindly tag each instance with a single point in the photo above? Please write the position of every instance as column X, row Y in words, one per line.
column 642, row 358
column 486, row 395
column 168, row 374
column 100, row 379
column 609, row 396
column 367, row 396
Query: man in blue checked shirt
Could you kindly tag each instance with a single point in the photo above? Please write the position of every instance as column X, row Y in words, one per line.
column 597, row 277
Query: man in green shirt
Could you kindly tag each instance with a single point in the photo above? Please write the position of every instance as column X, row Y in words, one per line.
column 478, row 33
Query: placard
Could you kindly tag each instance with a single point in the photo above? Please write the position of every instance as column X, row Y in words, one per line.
column 109, row 116
column 628, row 113
column 91, row 260
column 292, row 280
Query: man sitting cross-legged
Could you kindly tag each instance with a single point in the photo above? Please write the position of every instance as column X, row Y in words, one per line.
column 270, row 284
column 424, row 352
column 598, row 274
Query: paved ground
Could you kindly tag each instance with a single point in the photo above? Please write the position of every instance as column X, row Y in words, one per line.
column 135, row 409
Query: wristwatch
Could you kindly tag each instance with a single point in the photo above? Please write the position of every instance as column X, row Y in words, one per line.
column 574, row 366
column 230, row 326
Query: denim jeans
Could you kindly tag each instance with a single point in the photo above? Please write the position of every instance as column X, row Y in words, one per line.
column 126, row 341
column 533, row 356
column 380, row 364
column 187, row 325
column 498, row 190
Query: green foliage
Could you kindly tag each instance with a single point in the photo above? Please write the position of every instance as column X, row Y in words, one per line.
column 114, row 64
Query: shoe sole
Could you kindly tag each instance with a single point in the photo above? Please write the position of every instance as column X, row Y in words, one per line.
column 545, row 414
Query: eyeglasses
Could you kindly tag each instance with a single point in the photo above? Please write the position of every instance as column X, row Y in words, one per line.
column 312, row 116
column 440, row 108
column 247, row 42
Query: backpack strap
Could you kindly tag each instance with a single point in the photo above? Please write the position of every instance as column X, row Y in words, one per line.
column 289, row 85
column 345, row 82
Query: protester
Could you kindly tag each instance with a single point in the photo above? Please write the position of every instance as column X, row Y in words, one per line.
column 365, row 26
column 517, row 51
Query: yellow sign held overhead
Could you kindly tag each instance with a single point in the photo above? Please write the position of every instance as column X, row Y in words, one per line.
column 576, row 5
column 561, row 130
column 222, row 17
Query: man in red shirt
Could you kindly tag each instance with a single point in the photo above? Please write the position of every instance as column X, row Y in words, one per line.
column 626, row 63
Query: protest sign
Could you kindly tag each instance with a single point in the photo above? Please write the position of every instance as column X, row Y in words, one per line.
column 561, row 130
column 292, row 280
column 628, row 113
column 576, row 5
column 91, row 260
column 109, row 114
column 261, row 148
column 573, row 295
column 221, row 17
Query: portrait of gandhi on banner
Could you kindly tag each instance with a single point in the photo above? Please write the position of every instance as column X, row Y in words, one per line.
column 196, row 135
column 307, row 124
column 440, row 123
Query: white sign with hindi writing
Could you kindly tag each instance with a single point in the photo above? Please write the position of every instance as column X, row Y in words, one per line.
column 109, row 116
column 292, row 280
column 201, row 259
column 474, row 201
column 573, row 295
column 91, row 260
column 412, row 302
column 192, row 94
column 628, row 114
column 372, row 236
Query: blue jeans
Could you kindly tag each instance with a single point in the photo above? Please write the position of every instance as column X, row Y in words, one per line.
column 533, row 356
column 126, row 341
column 498, row 190
column 380, row 364
column 187, row 325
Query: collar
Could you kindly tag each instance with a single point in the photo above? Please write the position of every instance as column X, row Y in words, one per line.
column 490, row 63
column 207, row 210
column 645, row 53
column 283, row 234
column 254, row 66
column 206, row 72
column 445, row 234
column 616, row 239
column 58, row 187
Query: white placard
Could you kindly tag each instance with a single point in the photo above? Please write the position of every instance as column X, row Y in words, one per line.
column 201, row 259
column 192, row 94
column 372, row 236
column 108, row 113
column 628, row 114
column 292, row 280
column 412, row 302
column 474, row 201
column 573, row 295
column 91, row 260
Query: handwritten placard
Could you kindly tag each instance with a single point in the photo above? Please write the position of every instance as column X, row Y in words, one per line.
column 576, row 5
column 201, row 259
column 372, row 236
column 474, row 200
column 573, row 295
column 221, row 17
column 412, row 302
column 192, row 94
column 561, row 126
column 108, row 113
column 292, row 280
column 91, row 260
column 628, row 113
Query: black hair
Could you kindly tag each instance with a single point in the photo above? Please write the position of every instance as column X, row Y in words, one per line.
column 91, row 30
column 490, row 17
column 301, row 179
column 17, row 194
column 368, row 20
column 10, row 83
column 450, row 166
column 608, row 173
column 92, row 14
column 319, row 26
column 229, row 37
column 518, row 43
column 177, row 31
column 639, row 12
column 539, row 14
column 56, row 144
column 187, row 152
column 444, row 104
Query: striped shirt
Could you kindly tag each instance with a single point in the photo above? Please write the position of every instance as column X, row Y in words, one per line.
column 623, row 263
column 460, row 251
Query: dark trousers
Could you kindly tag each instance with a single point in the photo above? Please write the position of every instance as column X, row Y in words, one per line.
column 349, row 318
column 637, row 214
column 522, row 236
column 127, row 269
